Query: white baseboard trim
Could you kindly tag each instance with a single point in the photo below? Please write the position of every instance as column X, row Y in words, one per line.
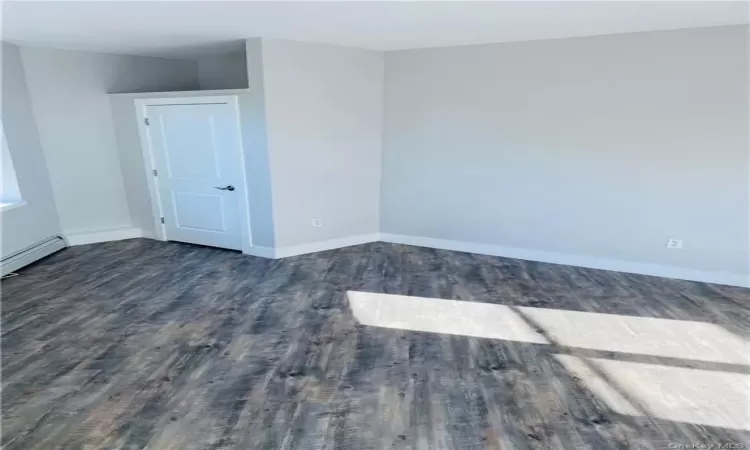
column 150, row 234
column 658, row 270
column 284, row 252
column 92, row 237
column 263, row 252
column 30, row 254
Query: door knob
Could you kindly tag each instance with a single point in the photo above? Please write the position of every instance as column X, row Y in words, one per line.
column 225, row 188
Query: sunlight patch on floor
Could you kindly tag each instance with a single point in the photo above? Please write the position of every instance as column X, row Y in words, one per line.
column 680, row 394
column 433, row 315
column 650, row 336
column 667, row 391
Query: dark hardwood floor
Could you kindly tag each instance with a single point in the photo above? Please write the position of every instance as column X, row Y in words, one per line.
column 147, row 344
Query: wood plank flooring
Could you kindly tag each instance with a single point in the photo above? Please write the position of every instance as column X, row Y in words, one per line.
column 160, row 345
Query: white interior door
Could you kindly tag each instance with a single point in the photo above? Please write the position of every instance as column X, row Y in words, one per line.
column 196, row 153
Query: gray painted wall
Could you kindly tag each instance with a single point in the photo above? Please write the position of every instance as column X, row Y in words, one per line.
column 602, row 146
column 37, row 219
column 131, row 163
column 253, row 121
column 223, row 71
column 311, row 125
column 69, row 91
column 323, row 113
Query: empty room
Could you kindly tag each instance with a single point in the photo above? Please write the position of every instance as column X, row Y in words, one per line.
column 375, row 225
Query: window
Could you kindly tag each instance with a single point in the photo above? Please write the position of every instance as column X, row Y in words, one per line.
column 9, row 192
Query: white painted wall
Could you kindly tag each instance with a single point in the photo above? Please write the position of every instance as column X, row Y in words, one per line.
column 601, row 147
column 37, row 219
column 68, row 92
column 222, row 71
column 323, row 112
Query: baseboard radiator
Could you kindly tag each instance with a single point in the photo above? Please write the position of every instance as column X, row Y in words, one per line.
column 30, row 254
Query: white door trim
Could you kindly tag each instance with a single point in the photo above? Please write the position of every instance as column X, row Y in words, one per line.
column 148, row 160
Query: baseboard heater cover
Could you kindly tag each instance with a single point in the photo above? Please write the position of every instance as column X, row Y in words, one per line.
column 31, row 253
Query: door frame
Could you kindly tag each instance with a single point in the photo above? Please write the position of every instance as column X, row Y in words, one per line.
column 141, row 105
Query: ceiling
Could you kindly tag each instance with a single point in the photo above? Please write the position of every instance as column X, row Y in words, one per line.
column 183, row 29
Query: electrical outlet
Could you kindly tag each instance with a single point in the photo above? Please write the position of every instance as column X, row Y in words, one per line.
column 674, row 243
column 317, row 223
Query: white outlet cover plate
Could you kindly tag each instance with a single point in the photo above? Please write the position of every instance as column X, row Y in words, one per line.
column 674, row 243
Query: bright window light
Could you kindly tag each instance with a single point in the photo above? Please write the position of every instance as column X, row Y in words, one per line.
column 9, row 192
